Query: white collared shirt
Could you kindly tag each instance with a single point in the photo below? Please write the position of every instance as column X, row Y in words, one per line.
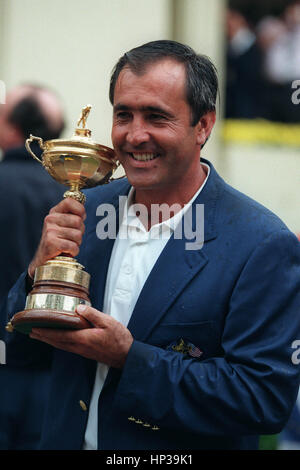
column 134, row 254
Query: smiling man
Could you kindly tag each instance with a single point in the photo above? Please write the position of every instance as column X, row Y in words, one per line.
column 190, row 349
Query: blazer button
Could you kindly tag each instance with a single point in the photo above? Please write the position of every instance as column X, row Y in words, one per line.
column 83, row 405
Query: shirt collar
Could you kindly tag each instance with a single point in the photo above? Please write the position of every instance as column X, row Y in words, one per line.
column 130, row 219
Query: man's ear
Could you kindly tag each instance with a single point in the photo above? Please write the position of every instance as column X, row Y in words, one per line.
column 15, row 136
column 204, row 127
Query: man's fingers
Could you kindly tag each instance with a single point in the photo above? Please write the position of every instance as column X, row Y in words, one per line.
column 49, row 248
column 65, row 241
column 64, row 220
column 61, row 339
column 71, row 206
column 53, row 335
column 70, row 234
column 96, row 318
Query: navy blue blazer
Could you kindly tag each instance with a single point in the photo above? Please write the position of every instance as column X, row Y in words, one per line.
column 236, row 299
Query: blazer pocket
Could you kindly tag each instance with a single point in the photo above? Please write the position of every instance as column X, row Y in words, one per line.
column 202, row 335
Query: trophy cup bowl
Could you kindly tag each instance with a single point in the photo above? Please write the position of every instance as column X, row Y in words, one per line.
column 61, row 283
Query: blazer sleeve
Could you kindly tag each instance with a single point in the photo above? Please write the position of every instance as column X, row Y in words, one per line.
column 252, row 387
column 21, row 350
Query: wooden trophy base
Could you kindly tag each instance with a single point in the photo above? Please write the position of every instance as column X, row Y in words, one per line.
column 25, row 320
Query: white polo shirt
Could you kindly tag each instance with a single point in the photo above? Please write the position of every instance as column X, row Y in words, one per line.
column 134, row 254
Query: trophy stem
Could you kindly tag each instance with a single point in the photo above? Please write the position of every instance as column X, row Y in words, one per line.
column 74, row 193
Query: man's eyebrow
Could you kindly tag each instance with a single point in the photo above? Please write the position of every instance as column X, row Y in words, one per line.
column 158, row 110
column 120, row 107
column 152, row 109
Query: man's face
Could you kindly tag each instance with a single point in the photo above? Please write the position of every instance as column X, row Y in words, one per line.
column 152, row 133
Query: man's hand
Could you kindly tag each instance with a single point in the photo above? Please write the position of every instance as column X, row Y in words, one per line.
column 62, row 232
column 108, row 342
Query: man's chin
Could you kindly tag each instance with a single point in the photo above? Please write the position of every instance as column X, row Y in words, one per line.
column 142, row 185
column 138, row 181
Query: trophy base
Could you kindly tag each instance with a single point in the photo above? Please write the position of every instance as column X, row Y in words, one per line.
column 25, row 320
column 60, row 285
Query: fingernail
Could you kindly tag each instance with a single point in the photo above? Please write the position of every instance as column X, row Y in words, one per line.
column 81, row 308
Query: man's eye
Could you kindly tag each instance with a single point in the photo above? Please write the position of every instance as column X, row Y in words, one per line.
column 156, row 117
column 122, row 115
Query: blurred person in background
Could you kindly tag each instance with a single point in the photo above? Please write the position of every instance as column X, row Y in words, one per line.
column 279, row 39
column 244, row 80
column 27, row 193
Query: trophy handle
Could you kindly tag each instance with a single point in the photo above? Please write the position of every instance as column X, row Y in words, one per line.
column 41, row 144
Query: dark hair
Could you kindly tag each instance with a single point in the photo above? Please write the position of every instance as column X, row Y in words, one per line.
column 201, row 74
column 28, row 117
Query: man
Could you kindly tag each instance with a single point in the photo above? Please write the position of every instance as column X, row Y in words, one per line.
column 193, row 350
column 245, row 82
column 27, row 193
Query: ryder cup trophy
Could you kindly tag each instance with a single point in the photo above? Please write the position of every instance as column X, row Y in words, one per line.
column 61, row 283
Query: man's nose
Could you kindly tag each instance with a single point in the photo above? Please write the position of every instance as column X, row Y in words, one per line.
column 137, row 133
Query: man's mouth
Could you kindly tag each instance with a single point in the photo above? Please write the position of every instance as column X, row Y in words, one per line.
column 144, row 157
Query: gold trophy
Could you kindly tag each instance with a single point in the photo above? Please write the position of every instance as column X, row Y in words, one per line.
column 61, row 283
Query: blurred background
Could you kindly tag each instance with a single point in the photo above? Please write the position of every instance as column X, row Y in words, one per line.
column 72, row 46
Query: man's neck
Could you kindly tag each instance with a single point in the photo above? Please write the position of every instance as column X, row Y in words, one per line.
column 173, row 197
